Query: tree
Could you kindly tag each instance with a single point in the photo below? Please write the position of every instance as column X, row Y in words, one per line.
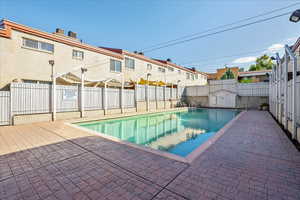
column 262, row 63
column 227, row 75
column 241, row 69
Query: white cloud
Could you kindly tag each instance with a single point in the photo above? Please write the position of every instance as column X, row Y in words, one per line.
column 291, row 40
column 275, row 47
column 244, row 60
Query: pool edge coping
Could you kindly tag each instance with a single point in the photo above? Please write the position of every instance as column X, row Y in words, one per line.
column 198, row 151
column 188, row 159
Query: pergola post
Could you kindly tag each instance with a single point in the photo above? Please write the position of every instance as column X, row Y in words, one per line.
column 105, row 98
column 82, row 94
column 147, row 92
column 156, row 100
column 165, row 103
column 122, row 95
column 135, row 96
column 53, row 92
column 171, row 94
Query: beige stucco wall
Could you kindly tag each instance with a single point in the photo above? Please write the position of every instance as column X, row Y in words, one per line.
column 24, row 119
column 18, row 62
column 141, row 106
column 129, row 110
column 113, row 111
column 152, row 105
column 93, row 113
column 160, row 105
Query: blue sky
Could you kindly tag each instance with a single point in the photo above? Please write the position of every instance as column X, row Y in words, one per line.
column 138, row 24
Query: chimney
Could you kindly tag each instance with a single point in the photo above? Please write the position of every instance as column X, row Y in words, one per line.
column 60, row 31
column 193, row 68
column 169, row 60
column 72, row 34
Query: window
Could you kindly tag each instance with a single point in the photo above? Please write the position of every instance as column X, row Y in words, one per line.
column 170, row 69
column 196, row 76
column 34, row 44
column 115, row 65
column 160, row 69
column 149, row 66
column 188, row 75
column 77, row 54
column 129, row 63
column 179, row 71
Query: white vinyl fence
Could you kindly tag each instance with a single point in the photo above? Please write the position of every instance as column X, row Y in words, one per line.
column 129, row 101
column 141, row 92
column 93, row 98
column 285, row 92
column 298, row 97
column 253, row 89
column 29, row 98
column 241, row 89
column 4, row 107
column 67, row 98
column 113, row 96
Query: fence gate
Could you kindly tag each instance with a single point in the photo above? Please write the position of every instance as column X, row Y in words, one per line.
column 4, row 108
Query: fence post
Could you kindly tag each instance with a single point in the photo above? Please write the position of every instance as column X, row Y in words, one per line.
column 82, row 92
column 285, row 90
column 105, row 98
column 54, row 99
column 293, row 89
column 122, row 99
column 11, row 115
column 294, row 99
column 147, row 96
column 165, row 106
column 156, row 100
column 135, row 96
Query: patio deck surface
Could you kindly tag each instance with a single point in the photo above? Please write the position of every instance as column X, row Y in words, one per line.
column 253, row 159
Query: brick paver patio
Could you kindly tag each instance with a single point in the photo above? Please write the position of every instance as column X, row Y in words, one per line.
column 252, row 160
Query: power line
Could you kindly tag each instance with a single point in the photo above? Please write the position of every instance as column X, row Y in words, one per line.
column 222, row 26
column 218, row 32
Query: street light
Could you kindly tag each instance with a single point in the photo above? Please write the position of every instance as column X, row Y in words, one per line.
column 295, row 17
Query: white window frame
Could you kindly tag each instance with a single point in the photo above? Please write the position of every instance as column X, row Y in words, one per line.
column 149, row 66
column 113, row 62
column 39, row 45
column 188, row 76
column 161, row 69
column 171, row 69
column 129, row 63
column 77, row 54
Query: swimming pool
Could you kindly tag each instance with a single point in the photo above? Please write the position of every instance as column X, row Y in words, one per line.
column 179, row 132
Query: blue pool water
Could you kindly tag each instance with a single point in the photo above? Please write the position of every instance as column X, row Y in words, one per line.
column 175, row 132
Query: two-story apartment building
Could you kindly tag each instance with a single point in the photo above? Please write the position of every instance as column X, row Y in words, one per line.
column 25, row 53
